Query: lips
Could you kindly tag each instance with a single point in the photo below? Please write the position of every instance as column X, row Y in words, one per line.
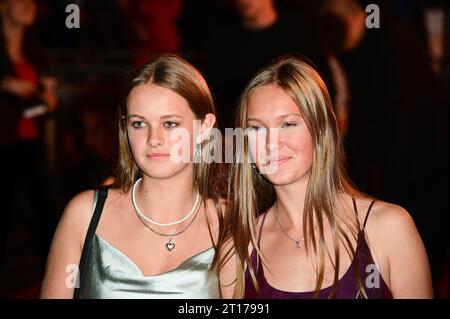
column 278, row 161
column 157, row 156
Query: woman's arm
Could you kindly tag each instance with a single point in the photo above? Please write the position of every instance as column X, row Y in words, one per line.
column 409, row 270
column 17, row 87
column 65, row 251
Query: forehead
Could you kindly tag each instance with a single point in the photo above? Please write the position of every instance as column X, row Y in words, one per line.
column 269, row 102
column 151, row 99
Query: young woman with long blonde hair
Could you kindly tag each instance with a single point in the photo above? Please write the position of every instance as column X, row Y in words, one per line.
column 153, row 233
column 296, row 227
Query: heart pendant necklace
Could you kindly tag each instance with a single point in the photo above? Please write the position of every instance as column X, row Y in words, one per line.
column 170, row 245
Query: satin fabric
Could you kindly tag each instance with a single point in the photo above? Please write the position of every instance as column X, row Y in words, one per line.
column 111, row 274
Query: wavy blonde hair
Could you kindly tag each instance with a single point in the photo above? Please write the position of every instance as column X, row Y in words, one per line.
column 250, row 194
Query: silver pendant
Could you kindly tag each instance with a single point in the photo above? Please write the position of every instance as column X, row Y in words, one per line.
column 297, row 244
column 170, row 245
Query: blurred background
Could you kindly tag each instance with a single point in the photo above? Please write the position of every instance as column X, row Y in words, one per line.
column 60, row 87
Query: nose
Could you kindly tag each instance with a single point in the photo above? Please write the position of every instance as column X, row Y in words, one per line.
column 155, row 137
column 273, row 140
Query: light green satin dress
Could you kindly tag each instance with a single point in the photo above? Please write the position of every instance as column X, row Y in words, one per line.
column 112, row 274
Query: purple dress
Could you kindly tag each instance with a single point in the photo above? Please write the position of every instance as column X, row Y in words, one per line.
column 372, row 281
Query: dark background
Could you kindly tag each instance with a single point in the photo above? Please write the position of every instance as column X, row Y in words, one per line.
column 91, row 65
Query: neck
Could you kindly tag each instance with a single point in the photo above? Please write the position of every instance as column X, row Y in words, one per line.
column 166, row 200
column 14, row 35
column 290, row 203
column 263, row 20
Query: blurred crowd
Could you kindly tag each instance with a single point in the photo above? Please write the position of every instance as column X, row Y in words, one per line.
column 59, row 88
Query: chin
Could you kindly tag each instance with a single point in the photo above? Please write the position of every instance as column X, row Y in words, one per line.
column 283, row 177
column 280, row 179
column 160, row 174
column 162, row 171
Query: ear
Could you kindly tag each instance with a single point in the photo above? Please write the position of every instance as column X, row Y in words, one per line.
column 206, row 126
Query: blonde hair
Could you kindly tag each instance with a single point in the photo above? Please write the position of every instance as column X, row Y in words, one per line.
column 174, row 73
column 253, row 194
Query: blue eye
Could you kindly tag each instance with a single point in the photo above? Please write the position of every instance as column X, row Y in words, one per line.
column 137, row 124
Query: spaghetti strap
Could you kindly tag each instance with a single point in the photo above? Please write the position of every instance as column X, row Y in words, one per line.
column 367, row 215
column 260, row 227
column 354, row 206
column 100, row 196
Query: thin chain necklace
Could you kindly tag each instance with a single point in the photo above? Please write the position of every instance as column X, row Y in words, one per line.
column 170, row 245
column 142, row 216
column 297, row 242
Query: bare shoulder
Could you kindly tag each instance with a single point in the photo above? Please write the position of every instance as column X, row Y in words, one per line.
column 66, row 247
column 393, row 230
column 389, row 220
column 77, row 213
column 82, row 200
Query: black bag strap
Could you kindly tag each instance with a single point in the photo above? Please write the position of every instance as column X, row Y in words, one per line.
column 100, row 195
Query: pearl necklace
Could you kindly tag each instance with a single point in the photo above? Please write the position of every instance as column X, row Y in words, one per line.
column 142, row 216
column 170, row 245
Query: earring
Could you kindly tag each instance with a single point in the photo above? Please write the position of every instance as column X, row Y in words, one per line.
column 198, row 153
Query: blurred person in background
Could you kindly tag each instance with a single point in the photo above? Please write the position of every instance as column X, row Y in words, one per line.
column 27, row 96
column 259, row 34
column 397, row 140
column 152, row 26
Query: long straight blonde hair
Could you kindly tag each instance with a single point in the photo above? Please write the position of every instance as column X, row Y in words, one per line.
column 250, row 194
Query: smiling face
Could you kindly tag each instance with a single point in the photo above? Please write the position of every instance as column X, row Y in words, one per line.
column 279, row 140
column 153, row 113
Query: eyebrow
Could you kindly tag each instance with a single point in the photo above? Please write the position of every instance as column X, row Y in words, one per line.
column 162, row 117
column 279, row 117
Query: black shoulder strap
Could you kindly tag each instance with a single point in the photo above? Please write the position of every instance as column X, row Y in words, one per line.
column 354, row 206
column 367, row 215
column 368, row 211
column 101, row 195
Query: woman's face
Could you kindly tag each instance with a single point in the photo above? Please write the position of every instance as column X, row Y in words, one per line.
column 280, row 142
column 20, row 12
column 154, row 112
